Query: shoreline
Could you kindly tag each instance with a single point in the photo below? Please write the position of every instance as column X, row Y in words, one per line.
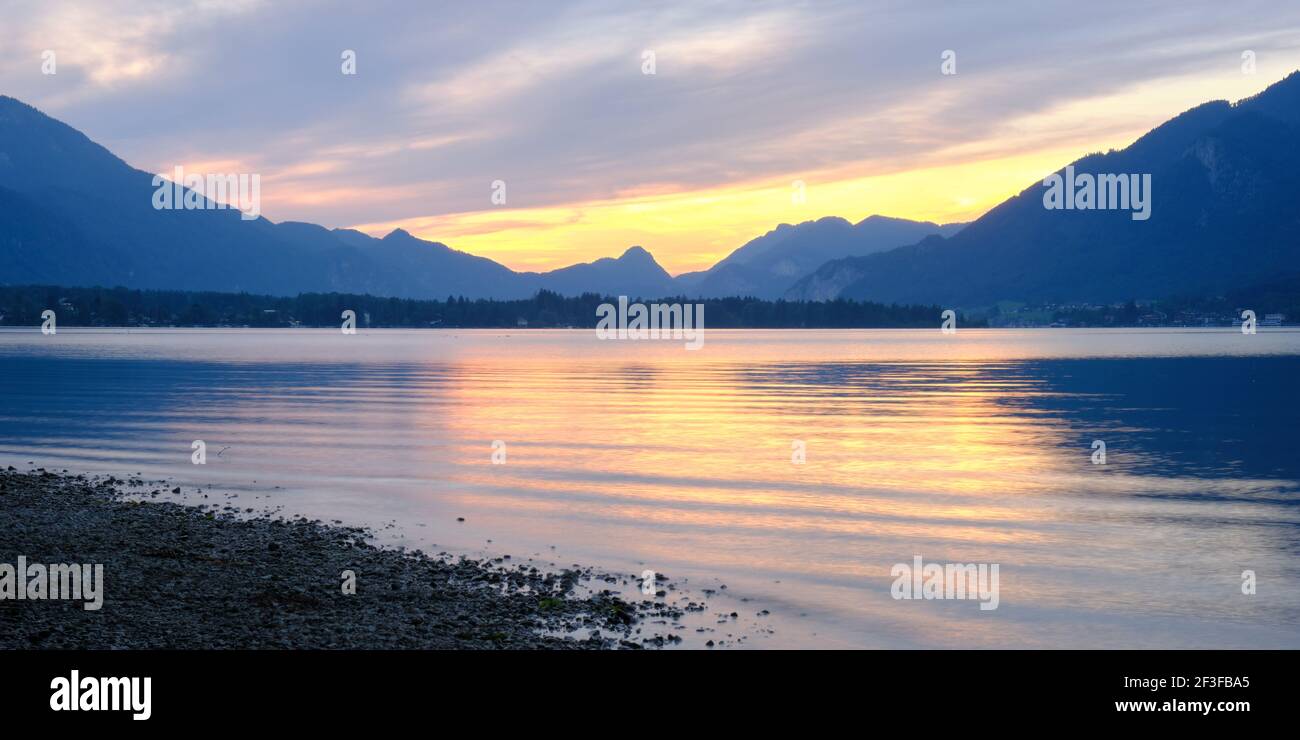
column 180, row 576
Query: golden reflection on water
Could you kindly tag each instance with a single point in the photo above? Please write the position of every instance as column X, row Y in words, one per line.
column 629, row 454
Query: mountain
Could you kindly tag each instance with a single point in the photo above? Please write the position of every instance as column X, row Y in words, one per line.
column 634, row 273
column 36, row 244
column 432, row 268
column 767, row 266
column 72, row 213
column 98, row 211
column 1225, row 179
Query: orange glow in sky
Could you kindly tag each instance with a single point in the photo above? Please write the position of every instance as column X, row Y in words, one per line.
column 690, row 229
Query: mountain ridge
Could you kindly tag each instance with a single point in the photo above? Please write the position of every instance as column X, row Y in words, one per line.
column 767, row 265
column 75, row 213
column 1225, row 177
column 1224, row 183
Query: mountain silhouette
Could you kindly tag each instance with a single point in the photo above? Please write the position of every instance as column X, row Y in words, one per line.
column 634, row 273
column 1225, row 180
column 72, row 213
column 767, row 266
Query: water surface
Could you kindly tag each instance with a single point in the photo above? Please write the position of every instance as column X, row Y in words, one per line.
column 969, row 448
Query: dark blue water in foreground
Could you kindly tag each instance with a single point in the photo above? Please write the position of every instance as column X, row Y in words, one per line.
column 629, row 456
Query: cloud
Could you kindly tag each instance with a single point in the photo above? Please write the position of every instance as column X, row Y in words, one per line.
column 104, row 47
column 550, row 97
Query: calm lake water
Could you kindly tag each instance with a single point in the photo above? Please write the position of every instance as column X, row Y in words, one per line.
column 968, row 448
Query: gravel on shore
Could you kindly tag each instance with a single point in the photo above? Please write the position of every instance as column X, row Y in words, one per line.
column 182, row 577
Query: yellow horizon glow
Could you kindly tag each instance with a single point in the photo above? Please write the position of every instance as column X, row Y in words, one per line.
column 691, row 229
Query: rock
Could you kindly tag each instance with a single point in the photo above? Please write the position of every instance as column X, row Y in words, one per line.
column 186, row 576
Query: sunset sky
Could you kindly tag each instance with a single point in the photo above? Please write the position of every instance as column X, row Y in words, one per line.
column 690, row 162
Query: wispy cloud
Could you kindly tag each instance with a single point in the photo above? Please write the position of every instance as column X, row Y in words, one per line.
column 550, row 98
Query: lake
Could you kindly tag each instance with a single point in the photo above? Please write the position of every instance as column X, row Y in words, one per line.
column 976, row 447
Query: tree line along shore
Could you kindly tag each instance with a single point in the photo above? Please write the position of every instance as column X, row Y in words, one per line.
column 123, row 307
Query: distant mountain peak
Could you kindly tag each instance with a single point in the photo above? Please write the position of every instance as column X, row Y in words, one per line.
column 637, row 253
column 812, row 222
column 1225, row 187
column 877, row 218
column 768, row 265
